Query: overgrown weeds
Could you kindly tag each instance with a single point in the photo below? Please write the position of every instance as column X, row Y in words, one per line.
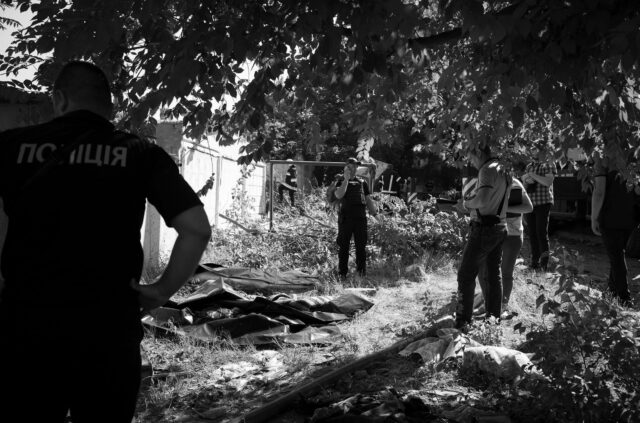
column 586, row 345
column 304, row 237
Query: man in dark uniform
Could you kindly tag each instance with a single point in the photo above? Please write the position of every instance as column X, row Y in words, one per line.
column 613, row 216
column 353, row 194
column 290, row 184
column 75, row 191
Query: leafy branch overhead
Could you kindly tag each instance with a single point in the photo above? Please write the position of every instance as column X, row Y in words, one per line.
column 461, row 72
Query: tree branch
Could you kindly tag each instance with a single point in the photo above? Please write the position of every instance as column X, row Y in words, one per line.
column 453, row 34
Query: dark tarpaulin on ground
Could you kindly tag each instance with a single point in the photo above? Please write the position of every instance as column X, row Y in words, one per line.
column 215, row 310
column 386, row 406
column 257, row 280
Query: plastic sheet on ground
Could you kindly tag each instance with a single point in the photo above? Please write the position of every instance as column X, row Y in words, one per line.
column 499, row 361
column 464, row 413
column 449, row 343
column 216, row 310
column 257, row 280
column 384, row 407
column 430, row 350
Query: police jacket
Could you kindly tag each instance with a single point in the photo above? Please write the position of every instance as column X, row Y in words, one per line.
column 74, row 235
column 354, row 204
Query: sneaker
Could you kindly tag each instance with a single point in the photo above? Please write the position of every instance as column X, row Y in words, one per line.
column 479, row 311
column 508, row 315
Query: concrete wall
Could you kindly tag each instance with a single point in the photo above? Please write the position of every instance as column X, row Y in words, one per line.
column 198, row 161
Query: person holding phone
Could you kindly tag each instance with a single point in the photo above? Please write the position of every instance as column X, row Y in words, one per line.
column 352, row 193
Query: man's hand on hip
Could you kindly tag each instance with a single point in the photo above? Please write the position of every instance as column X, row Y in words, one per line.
column 150, row 296
column 595, row 227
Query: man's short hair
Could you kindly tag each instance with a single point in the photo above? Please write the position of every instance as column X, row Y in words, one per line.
column 84, row 83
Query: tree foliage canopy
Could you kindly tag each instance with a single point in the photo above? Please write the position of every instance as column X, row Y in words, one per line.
column 460, row 72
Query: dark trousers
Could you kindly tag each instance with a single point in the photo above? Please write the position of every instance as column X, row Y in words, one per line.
column 615, row 242
column 349, row 226
column 538, row 229
column 510, row 250
column 484, row 247
column 292, row 197
column 47, row 371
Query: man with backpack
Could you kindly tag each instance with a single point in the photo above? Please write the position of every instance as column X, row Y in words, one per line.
column 487, row 201
column 75, row 190
column 352, row 193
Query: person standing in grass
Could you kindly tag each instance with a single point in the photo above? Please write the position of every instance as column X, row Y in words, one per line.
column 519, row 203
column 613, row 216
column 487, row 203
column 538, row 182
column 75, row 191
column 290, row 184
column 352, row 193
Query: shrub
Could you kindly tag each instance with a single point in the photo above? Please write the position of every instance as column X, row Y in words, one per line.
column 406, row 234
column 590, row 353
column 304, row 237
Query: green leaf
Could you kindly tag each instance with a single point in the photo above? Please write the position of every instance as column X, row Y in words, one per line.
column 380, row 63
column 521, row 328
column 628, row 60
column 540, row 300
column 554, row 51
column 531, row 103
column 619, row 44
column 254, row 120
column 569, row 46
column 613, row 97
column 368, row 62
column 231, row 90
column 498, row 32
column 517, row 116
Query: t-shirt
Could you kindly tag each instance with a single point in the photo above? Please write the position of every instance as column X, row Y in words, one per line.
column 514, row 221
column 491, row 176
column 74, row 235
column 542, row 194
column 353, row 203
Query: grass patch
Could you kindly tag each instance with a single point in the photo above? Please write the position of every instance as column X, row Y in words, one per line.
column 585, row 343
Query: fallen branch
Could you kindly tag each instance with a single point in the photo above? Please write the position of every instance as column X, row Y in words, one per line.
column 318, row 222
column 241, row 226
